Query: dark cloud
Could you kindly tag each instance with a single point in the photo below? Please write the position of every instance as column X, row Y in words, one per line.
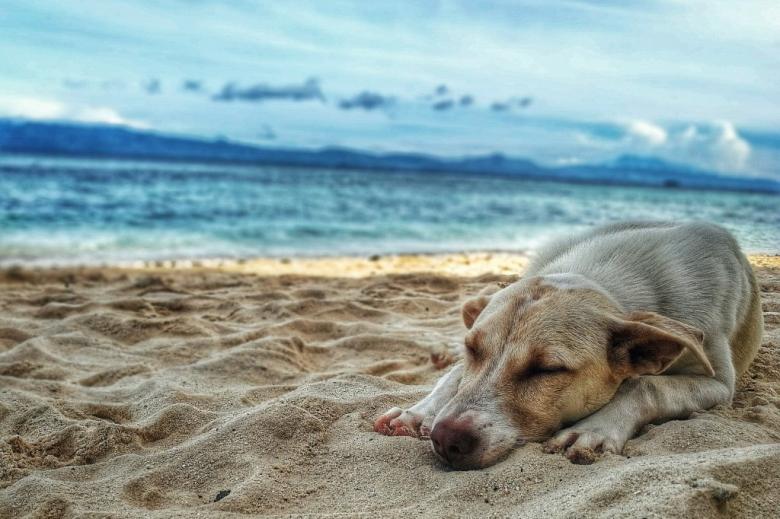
column 515, row 102
column 443, row 105
column 440, row 91
column 367, row 101
column 153, row 86
column 308, row 90
column 192, row 85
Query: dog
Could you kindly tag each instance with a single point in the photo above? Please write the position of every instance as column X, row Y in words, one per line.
column 606, row 332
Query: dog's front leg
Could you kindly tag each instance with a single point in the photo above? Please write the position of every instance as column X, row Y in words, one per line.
column 639, row 401
column 417, row 420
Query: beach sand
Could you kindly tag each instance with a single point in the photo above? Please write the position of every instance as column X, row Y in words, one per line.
column 229, row 389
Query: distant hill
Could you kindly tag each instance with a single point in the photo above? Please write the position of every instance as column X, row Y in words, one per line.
column 69, row 139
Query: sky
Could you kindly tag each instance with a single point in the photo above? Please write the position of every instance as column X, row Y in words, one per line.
column 693, row 82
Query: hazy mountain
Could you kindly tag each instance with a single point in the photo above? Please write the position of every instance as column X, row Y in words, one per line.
column 67, row 139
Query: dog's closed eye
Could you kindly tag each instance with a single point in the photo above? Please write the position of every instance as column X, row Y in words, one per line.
column 539, row 370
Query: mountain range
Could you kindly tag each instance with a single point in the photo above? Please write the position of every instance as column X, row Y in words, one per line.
column 89, row 140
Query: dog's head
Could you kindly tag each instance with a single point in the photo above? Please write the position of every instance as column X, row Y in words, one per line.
column 543, row 352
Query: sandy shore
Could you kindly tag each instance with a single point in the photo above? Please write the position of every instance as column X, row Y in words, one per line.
column 222, row 390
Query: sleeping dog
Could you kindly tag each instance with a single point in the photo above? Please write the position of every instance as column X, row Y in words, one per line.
column 607, row 331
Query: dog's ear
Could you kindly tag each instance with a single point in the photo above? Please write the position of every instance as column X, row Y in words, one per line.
column 472, row 308
column 646, row 343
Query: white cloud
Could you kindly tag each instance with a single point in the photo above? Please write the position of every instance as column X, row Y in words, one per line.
column 718, row 145
column 713, row 146
column 106, row 116
column 645, row 132
column 39, row 109
column 31, row 108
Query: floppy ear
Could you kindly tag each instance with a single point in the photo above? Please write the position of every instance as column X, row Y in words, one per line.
column 646, row 343
column 472, row 308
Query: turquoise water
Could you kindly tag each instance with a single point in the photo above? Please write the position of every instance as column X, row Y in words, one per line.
column 66, row 211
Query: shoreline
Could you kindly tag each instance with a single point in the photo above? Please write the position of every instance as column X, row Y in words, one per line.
column 463, row 264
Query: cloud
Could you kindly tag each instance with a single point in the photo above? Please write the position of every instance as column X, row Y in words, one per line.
column 153, row 86
column 443, row 105
column 31, row 108
column 308, row 90
column 367, row 101
column 645, row 132
column 192, row 85
column 49, row 109
column 442, row 101
column 105, row 115
column 505, row 106
column 466, row 100
column 715, row 145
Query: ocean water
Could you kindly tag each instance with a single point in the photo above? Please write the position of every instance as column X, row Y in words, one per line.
column 67, row 211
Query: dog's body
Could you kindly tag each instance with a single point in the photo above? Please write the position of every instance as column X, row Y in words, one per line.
column 625, row 325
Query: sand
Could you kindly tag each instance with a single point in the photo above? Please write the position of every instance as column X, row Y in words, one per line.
column 232, row 389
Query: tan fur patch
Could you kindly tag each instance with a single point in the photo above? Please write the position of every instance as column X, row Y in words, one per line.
column 546, row 349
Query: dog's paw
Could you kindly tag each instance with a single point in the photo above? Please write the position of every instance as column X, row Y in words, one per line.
column 583, row 446
column 397, row 422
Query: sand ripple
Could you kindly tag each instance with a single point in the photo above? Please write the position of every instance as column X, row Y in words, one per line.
column 150, row 394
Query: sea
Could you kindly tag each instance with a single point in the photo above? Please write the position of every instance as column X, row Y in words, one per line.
column 65, row 211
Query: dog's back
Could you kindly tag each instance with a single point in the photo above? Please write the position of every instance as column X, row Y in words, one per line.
column 692, row 272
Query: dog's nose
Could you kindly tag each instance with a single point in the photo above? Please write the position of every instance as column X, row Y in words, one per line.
column 454, row 440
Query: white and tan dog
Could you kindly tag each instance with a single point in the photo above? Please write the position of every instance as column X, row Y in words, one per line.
column 608, row 331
